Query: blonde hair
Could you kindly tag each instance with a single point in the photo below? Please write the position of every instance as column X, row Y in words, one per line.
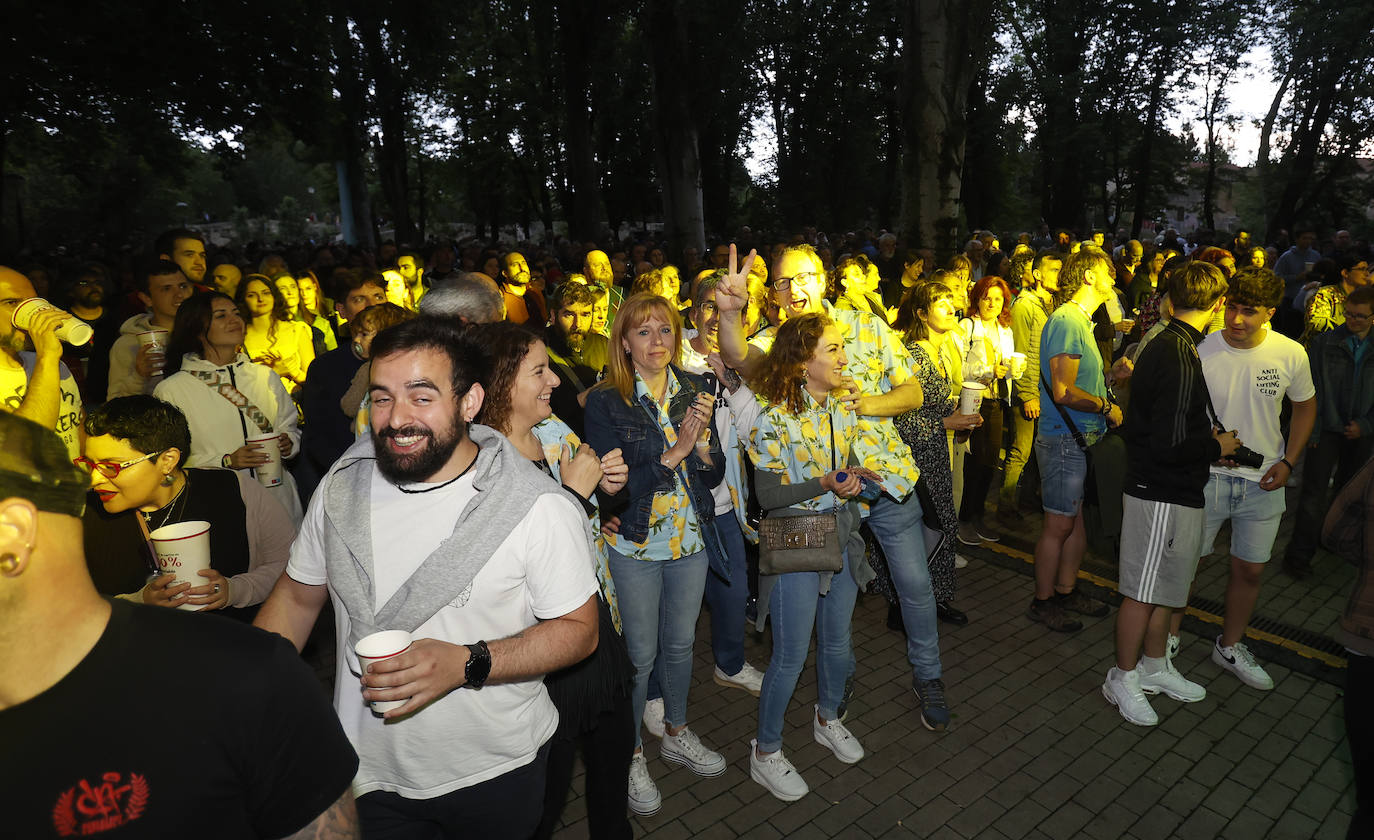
column 634, row 311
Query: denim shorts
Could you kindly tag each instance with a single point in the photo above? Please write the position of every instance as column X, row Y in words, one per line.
column 1063, row 469
column 1254, row 513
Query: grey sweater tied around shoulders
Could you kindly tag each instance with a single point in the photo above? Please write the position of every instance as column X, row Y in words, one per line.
column 507, row 487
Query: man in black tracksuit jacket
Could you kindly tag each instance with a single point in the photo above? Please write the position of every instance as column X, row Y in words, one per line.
column 1170, row 441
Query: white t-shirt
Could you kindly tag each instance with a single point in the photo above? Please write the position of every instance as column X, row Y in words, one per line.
column 543, row 570
column 1247, row 388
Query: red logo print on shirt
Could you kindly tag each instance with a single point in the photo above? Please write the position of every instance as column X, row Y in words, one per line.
column 94, row 808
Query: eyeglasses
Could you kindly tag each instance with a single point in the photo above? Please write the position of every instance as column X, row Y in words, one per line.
column 110, row 469
column 783, row 283
column 1358, row 316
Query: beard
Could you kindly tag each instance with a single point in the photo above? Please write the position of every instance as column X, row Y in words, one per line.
column 575, row 340
column 420, row 465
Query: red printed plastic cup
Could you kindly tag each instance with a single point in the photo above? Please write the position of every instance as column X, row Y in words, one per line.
column 183, row 549
column 375, row 648
column 269, row 474
column 971, row 398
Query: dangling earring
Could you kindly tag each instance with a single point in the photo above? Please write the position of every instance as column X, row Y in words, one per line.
column 167, row 480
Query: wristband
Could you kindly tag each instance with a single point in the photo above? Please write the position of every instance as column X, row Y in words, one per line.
column 1106, row 407
column 224, row 462
column 1287, row 463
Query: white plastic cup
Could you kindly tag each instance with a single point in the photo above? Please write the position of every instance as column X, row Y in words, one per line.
column 1018, row 365
column 971, row 398
column 269, row 474
column 73, row 330
column 156, row 342
column 183, row 549
column 375, row 648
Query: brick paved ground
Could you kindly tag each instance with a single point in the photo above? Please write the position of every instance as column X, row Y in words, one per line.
column 1034, row 750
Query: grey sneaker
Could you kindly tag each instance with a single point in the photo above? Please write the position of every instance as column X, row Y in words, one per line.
column 1076, row 602
column 930, row 694
column 1168, row 680
column 685, row 748
column 644, row 798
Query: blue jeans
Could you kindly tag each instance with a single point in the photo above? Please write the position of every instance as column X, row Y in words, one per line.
column 796, row 605
column 726, row 602
column 1063, row 473
column 659, row 604
column 897, row 525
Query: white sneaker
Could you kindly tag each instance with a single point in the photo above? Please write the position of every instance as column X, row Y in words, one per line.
column 1240, row 661
column 749, row 678
column 1122, row 690
column 960, row 561
column 1169, row 681
column 645, row 799
column 685, row 748
column 777, row 774
column 837, row 738
column 653, row 717
column 1173, row 647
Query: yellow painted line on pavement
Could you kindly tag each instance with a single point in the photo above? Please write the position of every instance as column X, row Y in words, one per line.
column 1210, row 618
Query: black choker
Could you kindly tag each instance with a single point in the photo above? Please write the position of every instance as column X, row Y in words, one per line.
column 465, row 471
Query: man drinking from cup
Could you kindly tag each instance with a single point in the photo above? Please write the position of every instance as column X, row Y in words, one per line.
column 35, row 384
column 441, row 528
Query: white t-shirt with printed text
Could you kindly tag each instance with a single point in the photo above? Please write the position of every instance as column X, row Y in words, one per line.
column 1248, row 387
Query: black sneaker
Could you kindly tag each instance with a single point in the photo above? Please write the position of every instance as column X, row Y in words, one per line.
column 930, row 694
column 1077, row 602
column 1050, row 613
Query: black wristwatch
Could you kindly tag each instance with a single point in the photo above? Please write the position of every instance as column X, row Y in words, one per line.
column 477, row 670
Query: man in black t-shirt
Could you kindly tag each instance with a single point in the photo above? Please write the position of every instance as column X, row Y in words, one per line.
column 138, row 722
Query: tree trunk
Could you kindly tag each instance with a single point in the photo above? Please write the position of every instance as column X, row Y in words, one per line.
column 579, row 23
column 1142, row 175
column 936, row 36
column 1306, row 142
column 355, row 210
column 675, row 128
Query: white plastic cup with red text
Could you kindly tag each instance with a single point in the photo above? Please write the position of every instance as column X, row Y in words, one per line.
column 375, row 648
column 971, row 397
column 73, row 330
column 269, row 474
column 183, row 549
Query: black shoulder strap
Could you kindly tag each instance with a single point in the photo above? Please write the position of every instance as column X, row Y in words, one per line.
column 1073, row 429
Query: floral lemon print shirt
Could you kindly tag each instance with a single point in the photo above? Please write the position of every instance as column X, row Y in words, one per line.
column 878, row 362
column 674, row 530
column 555, row 436
column 802, row 447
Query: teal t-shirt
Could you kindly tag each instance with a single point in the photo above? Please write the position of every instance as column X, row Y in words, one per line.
column 1070, row 331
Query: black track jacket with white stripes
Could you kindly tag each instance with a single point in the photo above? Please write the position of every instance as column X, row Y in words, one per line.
column 1169, row 442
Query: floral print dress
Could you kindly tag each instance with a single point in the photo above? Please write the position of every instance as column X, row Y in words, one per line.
column 924, row 431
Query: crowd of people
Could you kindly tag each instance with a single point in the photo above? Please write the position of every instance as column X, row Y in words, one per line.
column 543, row 462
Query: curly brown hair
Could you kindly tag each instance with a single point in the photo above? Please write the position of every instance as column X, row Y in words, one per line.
column 504, row 348
column 776, row 377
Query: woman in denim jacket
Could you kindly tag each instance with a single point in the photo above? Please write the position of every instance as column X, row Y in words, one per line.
column 660, row 417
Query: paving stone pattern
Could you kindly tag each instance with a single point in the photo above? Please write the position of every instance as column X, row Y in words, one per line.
column 1034, row 751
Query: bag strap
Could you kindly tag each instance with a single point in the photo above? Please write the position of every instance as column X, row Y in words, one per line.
column 1073, row 429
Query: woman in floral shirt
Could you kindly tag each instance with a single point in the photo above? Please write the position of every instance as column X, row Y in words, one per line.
column 660, row 417
column 804, row 464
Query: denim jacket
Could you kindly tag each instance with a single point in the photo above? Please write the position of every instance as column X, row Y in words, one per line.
column 635, row 431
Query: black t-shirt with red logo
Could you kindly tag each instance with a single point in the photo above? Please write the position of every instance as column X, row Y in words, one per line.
column 174, row 725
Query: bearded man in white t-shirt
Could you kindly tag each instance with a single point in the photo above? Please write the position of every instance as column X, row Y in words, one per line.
column 440, row 527
column 1249, row 369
